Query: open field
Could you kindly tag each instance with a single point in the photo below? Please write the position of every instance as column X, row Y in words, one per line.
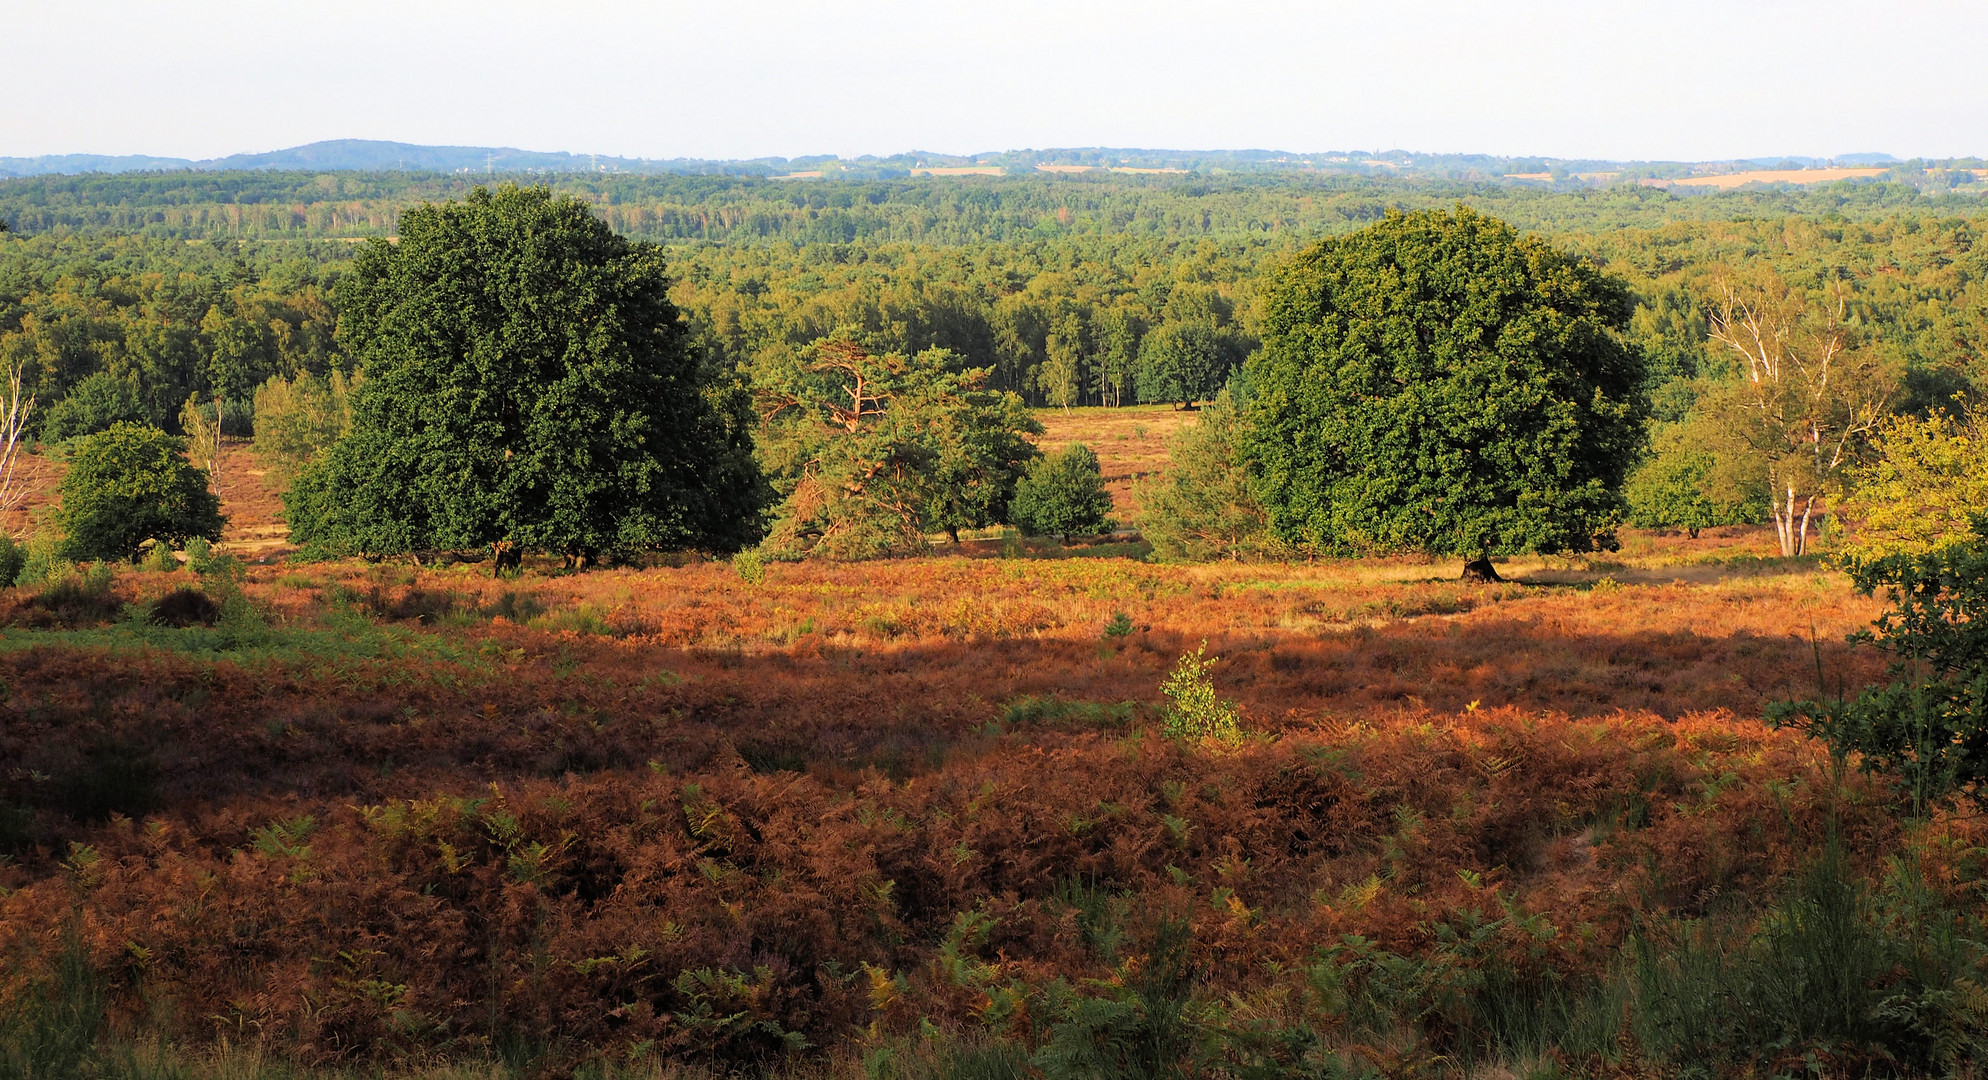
column 1131, row 443
column 1724, row 181
column 392, row 814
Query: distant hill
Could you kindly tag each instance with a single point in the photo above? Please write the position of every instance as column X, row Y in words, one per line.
column 369, row 155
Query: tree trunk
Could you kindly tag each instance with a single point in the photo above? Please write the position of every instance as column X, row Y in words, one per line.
column 1792, row 534
column 1481, row 570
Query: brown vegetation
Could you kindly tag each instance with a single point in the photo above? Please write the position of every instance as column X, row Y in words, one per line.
column 418, row 812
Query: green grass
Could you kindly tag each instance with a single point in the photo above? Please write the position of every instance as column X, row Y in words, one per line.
column 342, row 643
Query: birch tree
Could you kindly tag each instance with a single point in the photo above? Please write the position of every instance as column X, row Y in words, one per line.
column 17, row 479
column 1804, row 398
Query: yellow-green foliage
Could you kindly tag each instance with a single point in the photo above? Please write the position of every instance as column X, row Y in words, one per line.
column 1929, row 478
column 1198, row 714
column 297, row 418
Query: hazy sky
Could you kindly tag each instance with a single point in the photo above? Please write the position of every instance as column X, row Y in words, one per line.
column 744, row 78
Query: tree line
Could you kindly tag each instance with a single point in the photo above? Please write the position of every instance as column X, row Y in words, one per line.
column 271, row 205
column 1726, row 320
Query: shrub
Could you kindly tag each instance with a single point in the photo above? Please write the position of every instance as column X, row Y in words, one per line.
column 129, row 484
column 159, row 558
column 199, row 554
column 750, row 566
column 1682, row 485
column 42, row 561
column 51, row 1028
column 13, row 557
column 1142, row 1028
column 1928, row 477
column 518, row 607
column 1927, row 727
column 1878, row 984
column 1197, row 713
column 1063, row 495
column 81, row 597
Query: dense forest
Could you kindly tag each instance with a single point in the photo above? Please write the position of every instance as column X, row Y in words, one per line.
column 125, row 295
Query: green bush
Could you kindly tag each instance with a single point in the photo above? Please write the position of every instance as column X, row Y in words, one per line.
column 1682, row 485
column 1142, row 1028
column 1063, row 495
column 42, row 561
column 13, row 557
column 1927, row 727
column 81, row 597
column 1876, row 984
column 129, row 484
column 52, row 1028
column 159, row 558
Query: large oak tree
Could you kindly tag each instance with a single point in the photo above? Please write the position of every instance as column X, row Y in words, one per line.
column 1438, row 382
column 527, row 384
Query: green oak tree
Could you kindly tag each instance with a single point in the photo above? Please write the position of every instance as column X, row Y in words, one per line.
column 1690, row 482
column 92, row 405
column 1186, row 362
column 131, row 483
column 527, row 385
column 1438, row 382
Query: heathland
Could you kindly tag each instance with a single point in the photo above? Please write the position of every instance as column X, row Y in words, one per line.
column 275, row 811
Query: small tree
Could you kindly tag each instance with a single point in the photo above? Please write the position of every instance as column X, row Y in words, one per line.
column 202, row 423
column 868, row 450
column 17, row 406
column 1196, row 713
column 1204, row 505
column 1439, row 382
column 130, row 484
column 1185, row 362
column 1063, row 495
column 1686, row 485
column 298, row 419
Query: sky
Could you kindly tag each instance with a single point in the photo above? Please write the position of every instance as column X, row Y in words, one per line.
column 1680, row 80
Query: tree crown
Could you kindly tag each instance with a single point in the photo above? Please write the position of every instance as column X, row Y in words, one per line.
column 1439, row 382
column 131, row 483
